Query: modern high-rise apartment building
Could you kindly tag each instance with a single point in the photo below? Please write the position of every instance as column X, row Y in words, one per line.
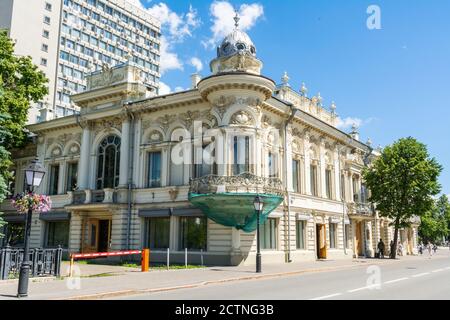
column 68, row 39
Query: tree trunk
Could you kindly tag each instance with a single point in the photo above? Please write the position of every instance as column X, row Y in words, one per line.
column 394, row 246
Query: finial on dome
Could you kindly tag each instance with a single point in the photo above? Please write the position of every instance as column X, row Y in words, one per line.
column 236, row 19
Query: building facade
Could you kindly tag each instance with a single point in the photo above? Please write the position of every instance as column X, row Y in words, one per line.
column 68, row 39
column 181, row 171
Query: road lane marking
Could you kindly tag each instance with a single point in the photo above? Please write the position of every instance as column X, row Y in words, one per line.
column 327, row 297
column 437, row 270
column 397, row 280
column 375, row 286
column 421, row 275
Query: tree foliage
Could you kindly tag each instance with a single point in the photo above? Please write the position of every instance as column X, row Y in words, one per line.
column 21, row 83
column 435, row 223
column 403, row 181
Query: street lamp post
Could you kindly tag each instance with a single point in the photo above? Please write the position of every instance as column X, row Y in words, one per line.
column 259, row 204
column 34, row 174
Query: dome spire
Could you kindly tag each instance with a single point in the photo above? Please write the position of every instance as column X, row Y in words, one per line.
column 236, row 19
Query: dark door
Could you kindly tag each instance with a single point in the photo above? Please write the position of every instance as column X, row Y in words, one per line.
column 104, row 235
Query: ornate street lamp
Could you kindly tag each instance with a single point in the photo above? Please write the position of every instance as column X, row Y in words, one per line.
column 34, row 174
column 259, row 204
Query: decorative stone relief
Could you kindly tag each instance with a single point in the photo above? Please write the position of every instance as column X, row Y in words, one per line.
column 242, row 118
column 107, row 124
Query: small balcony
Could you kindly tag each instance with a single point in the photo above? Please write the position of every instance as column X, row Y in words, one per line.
column 228, row 200
column 360, row 209
column 93, row 196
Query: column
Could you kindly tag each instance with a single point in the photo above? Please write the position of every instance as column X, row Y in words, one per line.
column 124, row 153
column 323, row 166
column 351, row 193
column 368, row 236
column 337, row 175
column 83, row 168
column 307, row 166
column 62, row 177
column 236, row 240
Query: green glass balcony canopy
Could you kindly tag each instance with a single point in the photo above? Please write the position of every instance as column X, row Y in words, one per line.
column 228, row 201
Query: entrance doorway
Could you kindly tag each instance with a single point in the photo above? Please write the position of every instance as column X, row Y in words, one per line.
column 321, row 234
column 99, row 236
column 359, row 239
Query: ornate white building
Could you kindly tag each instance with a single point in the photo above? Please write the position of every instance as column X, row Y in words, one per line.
column 116, row 182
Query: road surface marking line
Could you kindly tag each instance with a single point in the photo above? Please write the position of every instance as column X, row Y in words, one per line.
column 363, row 288
column 437, row 270
column 327, row 297
column 421, row 275
column 397, row 280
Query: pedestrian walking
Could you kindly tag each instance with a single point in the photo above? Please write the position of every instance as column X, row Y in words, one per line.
column 381, row 248
column 430, row 251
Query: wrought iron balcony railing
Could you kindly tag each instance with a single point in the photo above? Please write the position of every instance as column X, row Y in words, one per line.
column 243, row 183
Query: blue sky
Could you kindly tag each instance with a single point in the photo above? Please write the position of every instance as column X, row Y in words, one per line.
column 395, row 81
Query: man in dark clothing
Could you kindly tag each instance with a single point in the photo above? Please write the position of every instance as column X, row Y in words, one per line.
column 381, row 249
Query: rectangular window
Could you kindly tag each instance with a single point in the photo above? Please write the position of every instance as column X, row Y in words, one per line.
column 313, row 172
column 355, row 189
column 268, row 234
column 57, row 234
column 54, row 179
column 342, row 187
column 44, row 47
column 43, row 62
column 328, row 183
column 46, row 34
column 333, row 235
column 193, row 233
column 72, row 176
column 46, row 20
column 272, row 165
column 154, row 170
column 48, row 6
column 301, row 235
column 241, row 155
column 296, row 175
column 158, row 233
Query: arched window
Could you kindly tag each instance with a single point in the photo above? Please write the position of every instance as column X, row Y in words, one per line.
column 108, row 163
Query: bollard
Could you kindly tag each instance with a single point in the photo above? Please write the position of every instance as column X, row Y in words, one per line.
column 201, row 257
column 71, row 266
column 145, row 261
column 168, row 258
column 185, row 258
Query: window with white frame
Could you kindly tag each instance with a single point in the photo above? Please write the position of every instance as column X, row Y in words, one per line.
column 301, row 234
column 72, row 176
column 154, row 169
column 241, row 155
column 296, row 176
column 328, row 183
column 333, row 235
column 268, row 234
column 108, row 165
column 54, row 180
column 314, row 180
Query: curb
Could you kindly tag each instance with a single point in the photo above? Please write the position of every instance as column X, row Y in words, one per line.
column 107, row 295
column 35, row 280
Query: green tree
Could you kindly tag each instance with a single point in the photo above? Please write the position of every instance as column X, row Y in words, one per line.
column 403, row 181
column 21, row 83
column 435, row 223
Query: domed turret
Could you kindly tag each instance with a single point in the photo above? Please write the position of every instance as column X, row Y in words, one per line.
column 236, row 53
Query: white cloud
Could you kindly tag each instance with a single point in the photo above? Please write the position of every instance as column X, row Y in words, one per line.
column 169, row 59
column 164, row 88
column 347, row 123
column 178, row 25
column 222, row 13
column 197, row 64
column 179, row 89
column 175, row 28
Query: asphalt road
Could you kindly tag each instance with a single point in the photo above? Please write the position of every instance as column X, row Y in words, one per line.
column 418, row 279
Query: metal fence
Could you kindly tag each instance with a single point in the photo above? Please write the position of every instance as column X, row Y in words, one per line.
column 44, row 262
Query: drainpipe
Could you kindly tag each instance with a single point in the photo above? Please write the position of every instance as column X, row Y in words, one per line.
column 130, row 172
column 293, row 111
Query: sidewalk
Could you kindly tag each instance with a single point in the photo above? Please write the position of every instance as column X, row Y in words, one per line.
column 119, row 281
